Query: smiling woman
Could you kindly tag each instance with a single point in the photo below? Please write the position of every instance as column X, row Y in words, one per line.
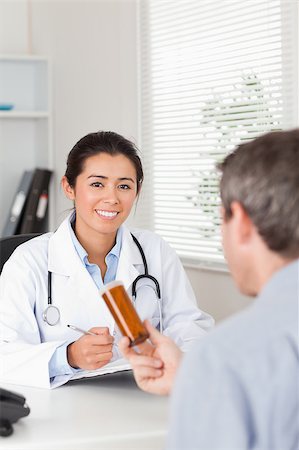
column 103, row 195
column 91, row 247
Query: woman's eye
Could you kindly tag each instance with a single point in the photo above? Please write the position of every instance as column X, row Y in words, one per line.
column 96, row 184
column 124, row 187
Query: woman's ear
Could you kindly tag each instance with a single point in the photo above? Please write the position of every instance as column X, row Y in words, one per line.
column 68, row 190
column 138, row 190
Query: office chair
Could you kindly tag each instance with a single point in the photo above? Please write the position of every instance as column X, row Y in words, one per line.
column 13, row 406
column 10, row 243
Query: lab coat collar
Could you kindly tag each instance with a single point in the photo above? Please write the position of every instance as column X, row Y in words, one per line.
column 62, row 255
column 130, row 257
column 64, row 260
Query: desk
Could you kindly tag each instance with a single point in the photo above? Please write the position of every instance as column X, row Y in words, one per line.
column 106, row 413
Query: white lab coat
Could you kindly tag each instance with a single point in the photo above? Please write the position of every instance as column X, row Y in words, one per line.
column 27, row 343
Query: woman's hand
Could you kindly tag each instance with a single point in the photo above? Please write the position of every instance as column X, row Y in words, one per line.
column 155, row 372
column 91, row 352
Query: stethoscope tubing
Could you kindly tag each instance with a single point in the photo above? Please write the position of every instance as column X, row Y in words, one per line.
column 51, row 315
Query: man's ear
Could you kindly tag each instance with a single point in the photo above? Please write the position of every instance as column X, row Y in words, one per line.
column 68, row 190
column 243, row 226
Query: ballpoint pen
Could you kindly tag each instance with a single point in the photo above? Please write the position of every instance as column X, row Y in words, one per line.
column 81, row 331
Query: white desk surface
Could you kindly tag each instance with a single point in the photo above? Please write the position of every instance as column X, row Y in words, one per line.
column 98, row 413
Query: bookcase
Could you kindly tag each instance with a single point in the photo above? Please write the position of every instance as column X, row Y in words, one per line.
column 26, row 129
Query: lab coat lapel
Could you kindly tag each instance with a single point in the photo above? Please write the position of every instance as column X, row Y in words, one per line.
column 80, row 291
column 129, row 258
column 61, row 252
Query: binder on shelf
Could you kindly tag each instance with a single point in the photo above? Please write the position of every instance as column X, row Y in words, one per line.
column 16, row 211
column 35, row 217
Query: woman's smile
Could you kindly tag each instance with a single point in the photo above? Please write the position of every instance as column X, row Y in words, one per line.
column 104, row 194
column 107, row 215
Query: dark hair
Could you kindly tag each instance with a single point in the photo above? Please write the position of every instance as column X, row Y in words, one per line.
column 101, row 142
column 263, row 176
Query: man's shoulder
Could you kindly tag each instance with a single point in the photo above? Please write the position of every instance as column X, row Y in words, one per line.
column 234, row 334
column 258, row 336
column 272, row 315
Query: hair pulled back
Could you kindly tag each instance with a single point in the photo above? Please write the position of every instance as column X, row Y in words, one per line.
column 101, row 142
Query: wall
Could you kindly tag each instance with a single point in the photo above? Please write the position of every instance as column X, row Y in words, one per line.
column 216, row 293
column 94, row 71
column 13, row 26
column 93, row 49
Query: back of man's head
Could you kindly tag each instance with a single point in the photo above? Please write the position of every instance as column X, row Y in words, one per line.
column 263, row 176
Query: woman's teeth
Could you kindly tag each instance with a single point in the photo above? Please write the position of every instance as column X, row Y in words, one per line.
column 107, row 213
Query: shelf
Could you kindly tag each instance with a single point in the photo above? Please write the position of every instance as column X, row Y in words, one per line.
column 24, row 114
column 26, row 134
column 20, row 58
column 24, row 83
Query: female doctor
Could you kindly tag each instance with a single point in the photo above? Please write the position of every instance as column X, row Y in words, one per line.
column 54, row 280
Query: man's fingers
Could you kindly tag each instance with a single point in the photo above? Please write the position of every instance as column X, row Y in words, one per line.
column 145, row 348
column 148, row 372
column 138, row 360
column 124, row 346
column 155, row 335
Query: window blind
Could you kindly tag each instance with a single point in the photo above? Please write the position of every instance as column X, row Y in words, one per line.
column 213, row 74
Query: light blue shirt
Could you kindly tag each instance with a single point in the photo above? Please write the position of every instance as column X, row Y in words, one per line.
column 58, row 365
column 238, row 388
column 111, row 259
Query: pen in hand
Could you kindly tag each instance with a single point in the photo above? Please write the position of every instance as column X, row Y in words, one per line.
column 81, row 331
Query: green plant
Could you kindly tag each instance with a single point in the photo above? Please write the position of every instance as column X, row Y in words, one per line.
column 226, row 120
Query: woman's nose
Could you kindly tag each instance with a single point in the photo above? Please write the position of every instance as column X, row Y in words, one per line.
column 111, row 196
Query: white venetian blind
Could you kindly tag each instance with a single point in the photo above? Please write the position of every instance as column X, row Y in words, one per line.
column 213, row 74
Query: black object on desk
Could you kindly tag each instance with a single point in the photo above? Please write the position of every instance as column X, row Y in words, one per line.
column 12, row 408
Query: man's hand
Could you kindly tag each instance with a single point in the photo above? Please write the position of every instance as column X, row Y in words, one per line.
column 91, row 352
column 153, row 373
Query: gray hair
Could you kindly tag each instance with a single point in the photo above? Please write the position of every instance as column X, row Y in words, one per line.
column 263, row 176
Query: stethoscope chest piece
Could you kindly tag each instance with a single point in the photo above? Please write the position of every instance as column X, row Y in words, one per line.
column 51, row 315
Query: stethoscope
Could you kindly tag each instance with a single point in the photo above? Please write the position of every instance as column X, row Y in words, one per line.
column 51, row 314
